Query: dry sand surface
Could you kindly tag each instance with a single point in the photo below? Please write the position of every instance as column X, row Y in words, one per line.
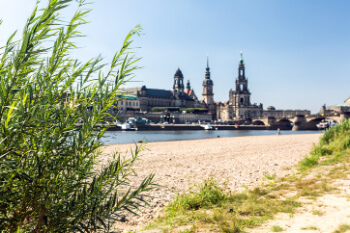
column 235, row 161
column 324, row 215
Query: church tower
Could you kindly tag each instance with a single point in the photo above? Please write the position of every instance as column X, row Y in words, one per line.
column 178, row 87
column 241, row 96
column 208, row 95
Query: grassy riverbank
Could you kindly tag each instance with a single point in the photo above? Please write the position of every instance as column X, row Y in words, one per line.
column 210, row 207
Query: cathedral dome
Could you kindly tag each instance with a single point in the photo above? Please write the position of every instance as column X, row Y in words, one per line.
column 179, row 73
column 271, row 108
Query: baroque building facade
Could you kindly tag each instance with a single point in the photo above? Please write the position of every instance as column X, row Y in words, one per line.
column 177, row 97
column 239, row 106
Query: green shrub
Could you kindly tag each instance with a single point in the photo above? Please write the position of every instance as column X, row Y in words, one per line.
column 48, row 177
column 334, row 143
column 339, row 131
column 320, row 151
column 309, row 162
column 346, row 142
column 162, row 109
column 208, row 194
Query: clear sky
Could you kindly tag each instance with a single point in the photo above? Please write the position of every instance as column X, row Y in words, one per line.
column 296, row 52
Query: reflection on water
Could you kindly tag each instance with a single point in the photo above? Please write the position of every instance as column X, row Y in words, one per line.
column 119, row 137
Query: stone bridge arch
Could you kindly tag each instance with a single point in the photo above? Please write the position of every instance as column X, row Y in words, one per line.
column 284, row 122
column 311, row 123
column 258, row 122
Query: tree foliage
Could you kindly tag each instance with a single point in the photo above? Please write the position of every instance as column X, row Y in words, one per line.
column 48, row 180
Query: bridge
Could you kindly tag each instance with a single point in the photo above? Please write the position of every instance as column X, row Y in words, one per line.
column 300, row 122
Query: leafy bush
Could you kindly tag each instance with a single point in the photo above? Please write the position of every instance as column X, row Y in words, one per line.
column 334, row 144
column 340, row 130
column 48, row 177
column 320, row 151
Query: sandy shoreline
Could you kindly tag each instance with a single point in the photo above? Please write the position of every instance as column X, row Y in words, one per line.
column 235, row 161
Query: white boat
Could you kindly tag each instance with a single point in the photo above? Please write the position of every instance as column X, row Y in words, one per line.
column 329, row 123
column 322, row 125
column 207, row 126
column 124, row 126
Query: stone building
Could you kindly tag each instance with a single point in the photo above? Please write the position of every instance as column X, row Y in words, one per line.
column 127, row 103
column 239, row 106
column 177, row 97
column 340, row 108
column 189, row 91
column 208, row 93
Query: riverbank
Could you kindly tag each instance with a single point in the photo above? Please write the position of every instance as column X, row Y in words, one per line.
column 111, row 137
column 237, row 162
column 167, row 127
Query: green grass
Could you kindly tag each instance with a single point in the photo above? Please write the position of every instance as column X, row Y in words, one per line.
column 272, row 177
column 339, row 172
column 209, row 194
column 334, row 146
column 342, row 228
column 317, row 212
column 276, row 229
column 208, row 205
column 313, row 187
column 309, row 228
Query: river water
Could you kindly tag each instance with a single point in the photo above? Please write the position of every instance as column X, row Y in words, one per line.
column 120, row 137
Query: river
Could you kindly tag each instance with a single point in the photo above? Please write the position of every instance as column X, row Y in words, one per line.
column 120, row 137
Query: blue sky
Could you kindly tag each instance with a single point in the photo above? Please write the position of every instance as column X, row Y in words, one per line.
column 297, row 53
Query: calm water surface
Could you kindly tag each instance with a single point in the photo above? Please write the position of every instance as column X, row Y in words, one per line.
column 119, row 137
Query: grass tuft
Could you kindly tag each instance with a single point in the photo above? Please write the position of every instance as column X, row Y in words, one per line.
column 209, row 194
column 309, row 228
column 342, row 228
column 276, row 229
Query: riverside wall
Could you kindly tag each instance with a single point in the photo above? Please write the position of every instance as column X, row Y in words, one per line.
column 195, row 127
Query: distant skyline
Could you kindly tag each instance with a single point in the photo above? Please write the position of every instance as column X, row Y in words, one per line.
column 296, row 53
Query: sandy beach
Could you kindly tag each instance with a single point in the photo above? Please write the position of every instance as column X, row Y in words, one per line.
column 235, row 162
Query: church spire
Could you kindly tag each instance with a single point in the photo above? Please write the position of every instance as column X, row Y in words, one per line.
column 241, row 69
column 207, row 72
column 188, row 85
column 208, row 95
column 207, row 61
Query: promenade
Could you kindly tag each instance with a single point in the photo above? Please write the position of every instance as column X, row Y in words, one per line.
column 235, row 162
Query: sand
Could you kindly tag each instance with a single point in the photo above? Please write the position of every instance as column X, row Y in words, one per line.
column 235, row 162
